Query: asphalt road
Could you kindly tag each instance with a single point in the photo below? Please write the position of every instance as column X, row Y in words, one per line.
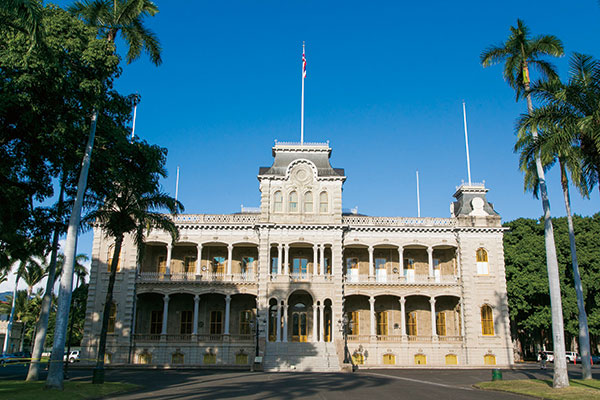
column 365, row 384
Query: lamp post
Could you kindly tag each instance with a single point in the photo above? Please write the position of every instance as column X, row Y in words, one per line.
column 345, row 326
column 255, row 325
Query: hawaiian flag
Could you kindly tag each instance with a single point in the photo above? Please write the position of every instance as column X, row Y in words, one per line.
column 303, row 63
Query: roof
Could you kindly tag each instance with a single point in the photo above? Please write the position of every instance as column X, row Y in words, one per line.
column 287, row 153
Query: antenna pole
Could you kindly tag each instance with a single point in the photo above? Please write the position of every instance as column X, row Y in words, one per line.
column 177, row 184
column 467, row 142
column 418, row 197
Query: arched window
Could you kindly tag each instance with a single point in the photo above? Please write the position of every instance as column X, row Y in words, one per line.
column 277, row 201
column 487, row 321
column 293, row 203
column 112, row 318
column 323, row 202
column 111, row 251
column 451, row 359
column 482, row 261
column 411, row 323
column 489, row 359
column 308, row 202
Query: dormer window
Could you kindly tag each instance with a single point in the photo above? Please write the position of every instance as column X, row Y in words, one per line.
column 293, row 204
column 308, row 202
column 277, row 202
column 323, row 202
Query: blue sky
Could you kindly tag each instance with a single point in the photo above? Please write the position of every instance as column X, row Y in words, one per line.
column 385, row 86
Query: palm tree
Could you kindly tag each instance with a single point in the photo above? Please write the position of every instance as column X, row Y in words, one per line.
column 562, row 141
column 78, row 269
column 32, row 275
column 129, row 210
column 24, row 15
column 109, row 17
column 519, row 53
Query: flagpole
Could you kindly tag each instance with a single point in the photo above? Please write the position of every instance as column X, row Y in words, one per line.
column 136, row 100
column 418, row 197
column 467, row 142
column 302, row 106
column 177, row 184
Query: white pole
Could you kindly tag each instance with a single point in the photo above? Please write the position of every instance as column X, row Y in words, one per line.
column 133, row 127
column 467, row 142
column 302, row 106
column 177, row 183
column 418, row 197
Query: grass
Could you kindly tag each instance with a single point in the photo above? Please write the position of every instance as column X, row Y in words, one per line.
column 21, row 390
column 579, row 389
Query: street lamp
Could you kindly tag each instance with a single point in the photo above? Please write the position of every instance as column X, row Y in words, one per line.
column 346, row 326
column 255, row 325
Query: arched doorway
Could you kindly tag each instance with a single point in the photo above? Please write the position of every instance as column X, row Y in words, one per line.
column 300, row 304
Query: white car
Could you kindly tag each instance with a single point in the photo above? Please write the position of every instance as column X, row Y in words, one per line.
column 572, row 356
column 549, row 356
column 72, row 357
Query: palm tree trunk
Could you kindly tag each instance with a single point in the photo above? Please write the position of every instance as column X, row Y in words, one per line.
column 584, row 334
column 42, row 322
column 561, row 378
column 55, row 372
column 99, row 370
column 11, row 317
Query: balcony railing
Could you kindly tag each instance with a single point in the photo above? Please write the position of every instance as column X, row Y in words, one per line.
column 400, row 279
column 187, row 338
column 450, row 338
column 216, row 219
column 397, row 221
column 300, row 277
column 192, row 277
column 400, row 338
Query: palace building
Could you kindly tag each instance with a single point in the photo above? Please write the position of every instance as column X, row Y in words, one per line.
column 297, row 279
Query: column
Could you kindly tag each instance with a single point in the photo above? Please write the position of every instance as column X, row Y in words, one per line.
column 457, row 260
column 227, row 309
column 316, row 259
column 165, row 314
column 285, row 322
column 433, row 320
column 315, row 337
column 334, row 325
column 168, row 262
column 430, row 259
column 372, row 315
column 462, row 318
column 371, row 267
column 279, row 258
column 322, row 321
column 401, row 260
column 286, row 264
column 322, row 261
column 229, row 255
column 267, row 320
column 402, row 317
column 278, row 335
column 199, row 259
column 196, row 306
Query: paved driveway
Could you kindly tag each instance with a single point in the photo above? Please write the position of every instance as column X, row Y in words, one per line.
column 365, row 384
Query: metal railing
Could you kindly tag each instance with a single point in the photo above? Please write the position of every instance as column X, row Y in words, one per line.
column 397, row 221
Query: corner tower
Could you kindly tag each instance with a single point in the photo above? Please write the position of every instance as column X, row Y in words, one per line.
column 301, row 186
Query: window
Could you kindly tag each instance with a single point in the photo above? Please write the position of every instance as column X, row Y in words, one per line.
column 440, row 323
column 177, row 358
column 482, row 261
column 112, row 318
column 218, row 265
column 145, row 358
column 245, row 318
column 323, row 202
column 389, row 359
column 308, row 202
column 111, row 251
column 216, row 322
column 210, row 358
column 487, row 321
column 107, row 358
column 277, row 202
column 185, row 327
column 274, row 265
column 354, row 323
column 409, row 263
column 411, row 323
column 300, row 267
column 293, row 202
column 162, row 264
column 241, row 359
column 247, row 265
column 382, row 323
column 436, row 263
column 420, row 359
column 156, row 320
column 489, row 359
column 189, row 264
column 451, row 359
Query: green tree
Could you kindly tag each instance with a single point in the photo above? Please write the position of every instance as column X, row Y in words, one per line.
column 131, row 207
column 108, row 17
column 520, row 53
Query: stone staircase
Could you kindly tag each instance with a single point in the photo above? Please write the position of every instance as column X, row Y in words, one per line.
column 316, row 357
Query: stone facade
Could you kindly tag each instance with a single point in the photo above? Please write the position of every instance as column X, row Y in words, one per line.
column 399, row 291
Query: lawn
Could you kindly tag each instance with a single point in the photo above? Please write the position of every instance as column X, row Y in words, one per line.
column 17, row 390
column 579, row 390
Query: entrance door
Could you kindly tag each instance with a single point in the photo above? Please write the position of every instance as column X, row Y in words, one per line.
column 327, row 321
column 299, row 327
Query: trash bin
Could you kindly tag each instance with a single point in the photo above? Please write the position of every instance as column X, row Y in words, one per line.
column 496, row 374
